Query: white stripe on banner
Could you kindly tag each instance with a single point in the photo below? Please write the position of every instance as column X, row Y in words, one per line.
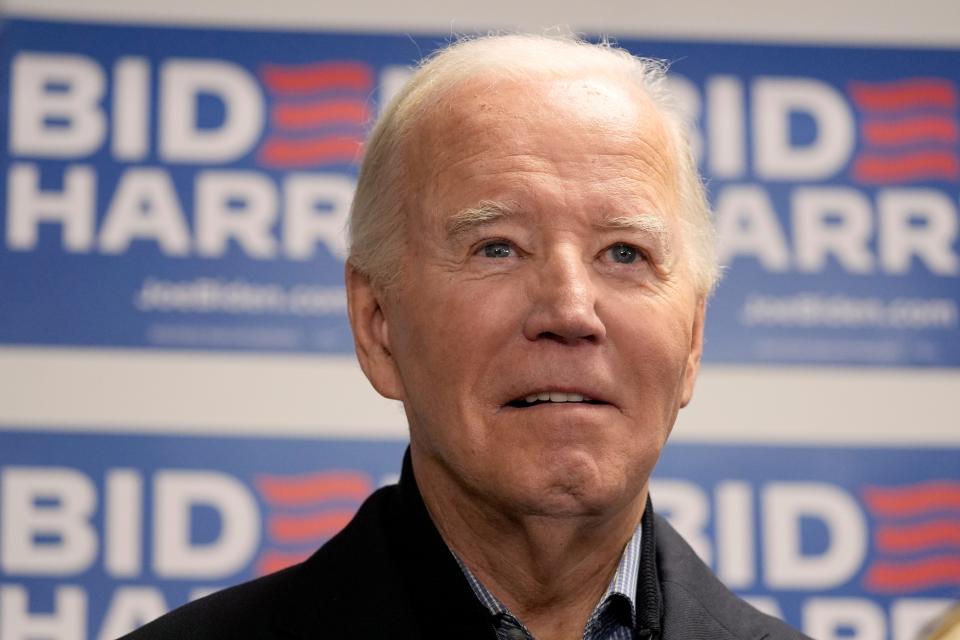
column 931, row 23
column 820, row 405
column 194, row 393
column 303, row 396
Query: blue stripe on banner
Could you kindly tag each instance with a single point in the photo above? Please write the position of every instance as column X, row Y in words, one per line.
column 193, row 192
column 798, row 529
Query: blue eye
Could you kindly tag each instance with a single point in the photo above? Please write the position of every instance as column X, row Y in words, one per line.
column 497, row 250
column 624, row 253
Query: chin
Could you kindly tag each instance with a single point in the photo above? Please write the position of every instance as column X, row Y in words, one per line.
column 560, row 502
column 565, row 490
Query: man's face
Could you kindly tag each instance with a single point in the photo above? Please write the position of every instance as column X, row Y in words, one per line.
column 542, row 259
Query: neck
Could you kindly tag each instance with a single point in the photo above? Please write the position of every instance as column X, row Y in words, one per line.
column 550, row 571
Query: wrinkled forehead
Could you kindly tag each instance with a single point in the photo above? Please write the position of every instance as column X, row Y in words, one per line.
column 488, row 112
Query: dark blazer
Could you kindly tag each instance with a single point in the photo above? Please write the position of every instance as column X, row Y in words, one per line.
column 389, row 574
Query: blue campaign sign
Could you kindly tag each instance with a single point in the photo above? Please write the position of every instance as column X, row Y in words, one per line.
column 180, row 188
column 833, row 175
column 186, row 188
column 835, row 540
column 104, row 532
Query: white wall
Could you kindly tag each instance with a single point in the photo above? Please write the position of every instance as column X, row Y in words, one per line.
column 918, row 22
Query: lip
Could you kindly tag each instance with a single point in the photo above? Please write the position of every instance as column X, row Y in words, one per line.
column 597, row 398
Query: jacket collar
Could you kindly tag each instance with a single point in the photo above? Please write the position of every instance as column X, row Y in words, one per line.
column 649, row 601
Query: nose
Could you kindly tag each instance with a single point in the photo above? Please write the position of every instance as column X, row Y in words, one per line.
column 564, row 298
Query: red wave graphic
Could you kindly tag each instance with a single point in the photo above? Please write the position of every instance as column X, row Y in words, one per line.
column 280, row 152
column 270, row 561
column 906, row 167
column 319, row 113
column 314, row 487
column 313, row 527
column 904, row 94
column 910, row 500
column 319, row 76
column 917, row 537
column 911, row 130
column 889, row 577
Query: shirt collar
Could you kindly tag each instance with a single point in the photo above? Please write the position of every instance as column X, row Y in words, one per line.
column 624, row 581
column 622, row 585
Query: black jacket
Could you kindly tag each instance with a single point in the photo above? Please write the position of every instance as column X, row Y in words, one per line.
column 389, row 575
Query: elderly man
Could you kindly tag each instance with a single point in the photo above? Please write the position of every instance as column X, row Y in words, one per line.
column 531, row 258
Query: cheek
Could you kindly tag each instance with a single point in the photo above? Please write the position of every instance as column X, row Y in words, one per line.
column 448, row 338
column 653, row 348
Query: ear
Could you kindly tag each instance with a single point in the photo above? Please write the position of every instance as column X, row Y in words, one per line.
column 371, row 334
column 696, row 351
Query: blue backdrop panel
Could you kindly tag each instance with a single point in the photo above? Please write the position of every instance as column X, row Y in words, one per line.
column 884, row 520
column 174, row 187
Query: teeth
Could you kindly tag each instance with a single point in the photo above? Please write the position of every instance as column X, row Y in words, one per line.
column 555, row 396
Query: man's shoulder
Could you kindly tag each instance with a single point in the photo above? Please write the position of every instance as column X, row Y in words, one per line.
column 236, row 612
column 697, row 605
column 320, row 593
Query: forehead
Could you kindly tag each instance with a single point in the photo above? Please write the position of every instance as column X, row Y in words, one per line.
column 566, row 127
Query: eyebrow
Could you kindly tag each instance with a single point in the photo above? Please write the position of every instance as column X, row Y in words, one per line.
column 645, row 223
column 486, row 212
column 641, row 222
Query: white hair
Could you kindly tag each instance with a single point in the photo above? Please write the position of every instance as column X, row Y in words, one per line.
column 378, row 214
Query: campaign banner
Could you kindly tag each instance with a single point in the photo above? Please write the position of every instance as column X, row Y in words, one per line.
column 187, row 188
column 100, row 533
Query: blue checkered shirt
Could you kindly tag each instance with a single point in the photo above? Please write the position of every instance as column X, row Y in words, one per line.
column 614, row 617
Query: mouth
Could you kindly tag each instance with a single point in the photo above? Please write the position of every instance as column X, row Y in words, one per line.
column 552, row 397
